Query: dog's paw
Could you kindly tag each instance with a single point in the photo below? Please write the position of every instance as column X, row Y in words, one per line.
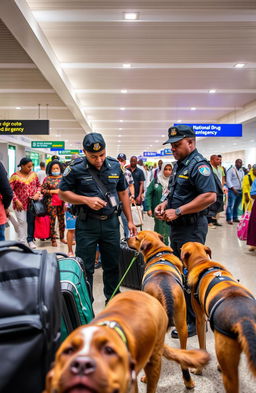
column 144, row 379
column 196, row 371
column 190, row 384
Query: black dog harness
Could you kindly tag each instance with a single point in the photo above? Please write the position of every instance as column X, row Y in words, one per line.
column 161, row 261
column 212, row 308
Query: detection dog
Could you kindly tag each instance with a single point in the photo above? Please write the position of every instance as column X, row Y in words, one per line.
column 106, row 355
column 230, row 307
column 163, row 280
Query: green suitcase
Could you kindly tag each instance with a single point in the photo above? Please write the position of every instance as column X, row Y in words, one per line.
column 77, row 307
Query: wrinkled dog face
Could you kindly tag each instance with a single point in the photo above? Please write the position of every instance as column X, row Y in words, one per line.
column 91, row 360
column 145, row 240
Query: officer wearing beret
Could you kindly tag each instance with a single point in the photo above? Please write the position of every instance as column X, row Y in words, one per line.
column 192, row 190
column 96, row 184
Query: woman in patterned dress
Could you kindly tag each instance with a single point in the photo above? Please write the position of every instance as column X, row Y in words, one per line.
column 26, row 186
column 55, row 206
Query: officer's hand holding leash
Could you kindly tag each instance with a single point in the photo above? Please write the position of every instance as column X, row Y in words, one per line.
column 95, row 203
column 170, row 215
column 132, row 229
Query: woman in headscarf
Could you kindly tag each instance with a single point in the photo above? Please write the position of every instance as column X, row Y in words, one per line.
column 158, row 189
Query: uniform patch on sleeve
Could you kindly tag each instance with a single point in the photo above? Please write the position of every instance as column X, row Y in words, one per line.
column 204, row 170
column 67, row 171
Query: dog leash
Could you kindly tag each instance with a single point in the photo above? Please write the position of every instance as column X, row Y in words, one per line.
column 125, row 273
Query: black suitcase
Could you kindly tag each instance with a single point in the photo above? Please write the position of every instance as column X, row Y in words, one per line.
column 30, row 316
column 134, row 276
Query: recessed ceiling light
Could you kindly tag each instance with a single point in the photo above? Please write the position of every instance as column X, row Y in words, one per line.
column 150, row 145
column 157, row 141
column 118, row 141
column 18, row 107
column 119, row 136
column 179, row 121
column 212, row 91
column 239, row 65
column 122, row 109
column 120, row 129
column 121, row 121
column 131, row 15
column 193, row 108
column 163, row 136
column 126, row 65
column 124, row 91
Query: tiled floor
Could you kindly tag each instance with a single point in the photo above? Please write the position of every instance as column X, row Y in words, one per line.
column 231, row 252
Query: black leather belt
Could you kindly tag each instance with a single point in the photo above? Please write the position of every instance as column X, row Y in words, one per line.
column 101, row 216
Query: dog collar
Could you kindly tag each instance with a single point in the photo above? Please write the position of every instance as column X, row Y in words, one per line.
column 159, row 254
column 118, row 329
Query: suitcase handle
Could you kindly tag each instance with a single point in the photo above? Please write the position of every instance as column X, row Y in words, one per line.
column 61, row 254
column 5, row 245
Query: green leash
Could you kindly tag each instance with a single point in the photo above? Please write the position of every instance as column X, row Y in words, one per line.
column 125, row 273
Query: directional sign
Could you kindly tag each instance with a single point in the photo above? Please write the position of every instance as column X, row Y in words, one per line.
column 24, row 127
column 217, row 130
column 150, row 154
column 48, row 145
column 68, row 152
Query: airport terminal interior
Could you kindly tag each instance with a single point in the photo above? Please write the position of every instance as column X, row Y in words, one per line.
column 129, row 70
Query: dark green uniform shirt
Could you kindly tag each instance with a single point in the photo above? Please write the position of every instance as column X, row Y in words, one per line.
column 76, row 178
column 185, row 187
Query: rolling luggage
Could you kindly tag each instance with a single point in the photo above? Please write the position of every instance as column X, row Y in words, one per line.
column 76, row 295
column 30, row 315
column 134, row 276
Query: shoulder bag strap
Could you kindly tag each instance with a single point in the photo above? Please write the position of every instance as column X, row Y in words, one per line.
column 238, row 177
column 99, row 183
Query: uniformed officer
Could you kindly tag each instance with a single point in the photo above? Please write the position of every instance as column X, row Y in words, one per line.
column 192, row 190
column 96, row 184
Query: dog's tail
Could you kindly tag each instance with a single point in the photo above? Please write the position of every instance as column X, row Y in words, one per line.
column 246, row 331
column 192, row 358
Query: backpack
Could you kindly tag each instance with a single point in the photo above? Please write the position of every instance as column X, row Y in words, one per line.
column 218, row 205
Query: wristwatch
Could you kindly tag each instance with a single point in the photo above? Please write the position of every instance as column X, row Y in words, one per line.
column 178, row 212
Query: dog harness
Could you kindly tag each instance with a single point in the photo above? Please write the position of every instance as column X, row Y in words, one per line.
column 161, row 261
column 117, row 328
column 212, row 308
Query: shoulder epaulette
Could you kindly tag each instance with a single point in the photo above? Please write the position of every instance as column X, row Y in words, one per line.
column 76, row 161
column 112, row 159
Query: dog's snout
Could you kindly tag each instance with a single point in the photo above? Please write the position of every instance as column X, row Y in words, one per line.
column 83, row 366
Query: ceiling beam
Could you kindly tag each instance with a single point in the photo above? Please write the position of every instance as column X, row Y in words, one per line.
column 19, row 19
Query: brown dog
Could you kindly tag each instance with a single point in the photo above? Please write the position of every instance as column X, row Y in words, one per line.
column 230, row 307
column 106, row 355
column 163, row 280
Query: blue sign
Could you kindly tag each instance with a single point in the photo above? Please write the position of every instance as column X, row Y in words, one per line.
column 167, row 152
column 150, row 154
column 56, row 149
column 216, row 130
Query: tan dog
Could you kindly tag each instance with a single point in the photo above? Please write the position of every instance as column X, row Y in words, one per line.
column 106, row 355
column 230, row 307
column 163, row 280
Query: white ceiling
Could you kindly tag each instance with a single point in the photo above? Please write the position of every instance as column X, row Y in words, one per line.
column 67, row 56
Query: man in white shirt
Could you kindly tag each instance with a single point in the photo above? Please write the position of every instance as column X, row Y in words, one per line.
column 41, row 173
column 235, row 176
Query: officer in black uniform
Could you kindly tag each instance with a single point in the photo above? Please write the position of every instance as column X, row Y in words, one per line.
column 192, row 190
column 96, row 184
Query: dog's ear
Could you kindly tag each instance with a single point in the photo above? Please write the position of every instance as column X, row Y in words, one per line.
column 160, row 237
column 145, row 245
column 208, row 251
column 185, row 254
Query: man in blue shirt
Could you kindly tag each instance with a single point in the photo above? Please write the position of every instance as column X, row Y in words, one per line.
column 234, row 183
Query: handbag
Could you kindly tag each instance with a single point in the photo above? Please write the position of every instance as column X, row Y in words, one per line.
column 242, row 227
column 37, row 208
column 137, row 215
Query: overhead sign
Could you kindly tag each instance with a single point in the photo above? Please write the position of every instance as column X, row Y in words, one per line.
column 68, row 152
column 48, row 145
column 167, row 152
column 150, row 154
column 24, row 127
column 217, row 130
